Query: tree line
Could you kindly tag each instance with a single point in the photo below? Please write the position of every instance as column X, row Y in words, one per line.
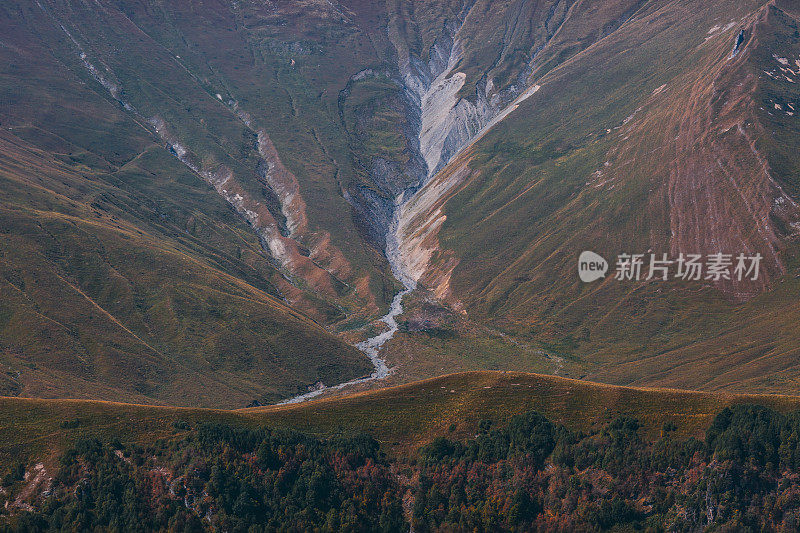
column 529, row 474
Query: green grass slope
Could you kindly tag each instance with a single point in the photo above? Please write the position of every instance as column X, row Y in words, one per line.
column 107, row 296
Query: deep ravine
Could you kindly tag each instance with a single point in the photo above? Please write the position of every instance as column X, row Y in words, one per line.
column 372, row 346
column 448, row 126
column 401, row 271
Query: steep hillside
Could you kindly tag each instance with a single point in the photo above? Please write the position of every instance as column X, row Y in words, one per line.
column 105, row 296
column 673, row 133
column 229, row 102
column 130, row 125
column 123, row 275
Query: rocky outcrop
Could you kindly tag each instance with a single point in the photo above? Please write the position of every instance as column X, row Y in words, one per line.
column 449, row 92
column 447, row 122
column 419, row 219
column 452, row 110
column 298, row 261
column 388, row 173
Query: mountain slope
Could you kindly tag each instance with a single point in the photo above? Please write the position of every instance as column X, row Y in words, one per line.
column 672, row 134
column 299, row 116
column 124, row 276
column 224, row 182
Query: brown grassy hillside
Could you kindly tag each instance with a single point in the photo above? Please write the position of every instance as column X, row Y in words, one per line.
column 402, row 417
column 657, row 138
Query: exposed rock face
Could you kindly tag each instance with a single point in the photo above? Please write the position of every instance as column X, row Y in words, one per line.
column 388, row 174
column 437, row 123
column 419, row 223
column 420, row 218
column 452, row 109
column 447, row 122
column 284, row 184
column 316, row 265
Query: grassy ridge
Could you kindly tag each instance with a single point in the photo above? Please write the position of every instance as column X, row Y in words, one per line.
column 402, row 417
